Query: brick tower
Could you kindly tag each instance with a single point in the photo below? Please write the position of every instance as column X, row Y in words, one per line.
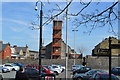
column 57, row 39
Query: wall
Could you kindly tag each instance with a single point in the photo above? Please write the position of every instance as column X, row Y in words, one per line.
column 1, row 45
column 1, row 49
column 48, row 51
column 96, row 63
column 102, row 63
column 105, row 45
column 6, row 52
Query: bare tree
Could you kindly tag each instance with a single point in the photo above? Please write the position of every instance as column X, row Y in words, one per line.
column 82, row 50
column 97, row 18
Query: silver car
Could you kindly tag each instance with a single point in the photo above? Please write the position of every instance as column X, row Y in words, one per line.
column 76, row 67
column 3, row 69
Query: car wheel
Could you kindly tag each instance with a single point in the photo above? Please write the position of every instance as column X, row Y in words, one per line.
column 73, row 73
column 79, row 78
column 13, row 69
column 3, row 71
column 56, row 73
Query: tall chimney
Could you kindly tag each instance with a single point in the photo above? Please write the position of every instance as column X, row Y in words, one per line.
column 57, row 39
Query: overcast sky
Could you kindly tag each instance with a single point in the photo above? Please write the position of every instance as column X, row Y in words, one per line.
column 15, row 19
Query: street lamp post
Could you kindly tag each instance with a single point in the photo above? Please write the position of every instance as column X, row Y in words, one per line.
column 66, row 50
column 40, row 40
column 110, row 40
column 74, row 44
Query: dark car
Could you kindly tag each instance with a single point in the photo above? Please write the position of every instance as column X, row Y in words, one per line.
column 82, row 70
column 116, row 71
column 34, row 74
column 103, row 76
column 86, row 75
column 43, row 69
column 19, row 64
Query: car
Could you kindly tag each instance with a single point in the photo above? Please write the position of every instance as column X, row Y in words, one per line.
column 116, row 71
column 4, row 69
column 82, row 70
column 55, row 70
column 103, row 76
column 76, row 67
column 61, row 66
column 57, row 67
column 11, row 67
column 87, row 75
column 19, row 64
column 33, row 74
column 43, row 69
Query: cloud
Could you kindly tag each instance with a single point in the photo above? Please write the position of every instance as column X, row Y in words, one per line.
column 0, row 19
column 16, row 21
column 16, row 29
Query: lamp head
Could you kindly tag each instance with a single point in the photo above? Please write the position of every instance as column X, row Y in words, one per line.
column 36, row 8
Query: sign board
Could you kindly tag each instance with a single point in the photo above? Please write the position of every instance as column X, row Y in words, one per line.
column 115, row 46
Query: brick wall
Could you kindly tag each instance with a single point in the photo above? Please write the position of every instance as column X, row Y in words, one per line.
column 96, row 63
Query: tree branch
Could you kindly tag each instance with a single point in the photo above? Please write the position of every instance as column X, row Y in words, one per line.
column 53, row 17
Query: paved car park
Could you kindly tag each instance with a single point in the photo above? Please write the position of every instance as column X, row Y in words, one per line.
column 11, row 75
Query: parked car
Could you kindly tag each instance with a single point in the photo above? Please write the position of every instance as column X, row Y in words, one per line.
column 87, row 75
column 76, row 67
column 115, row 71
column 103, row 76
column 19, row 64
column 55, row 70
column 82, row 70
column 43, row 69
column 61, row 66
column 33, row 74
column 11, row 66
column 3, row 69
column 57, row 67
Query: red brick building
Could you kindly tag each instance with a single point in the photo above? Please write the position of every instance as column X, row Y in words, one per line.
column 57, row 39
column 5, row 51
column 57, row 48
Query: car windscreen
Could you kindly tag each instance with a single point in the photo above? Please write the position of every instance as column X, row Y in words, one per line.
column 8, row 65
column 54, row 66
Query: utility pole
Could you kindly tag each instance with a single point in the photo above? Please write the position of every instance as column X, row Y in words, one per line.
column 66, row 58
column 40, row 40
column 74, row 30
column 110, row 40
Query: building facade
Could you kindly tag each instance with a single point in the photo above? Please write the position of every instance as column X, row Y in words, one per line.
column 20, row 52
column 102, row 49
column 57, row 48
column 49, row 51
column 34, row 54
column 5, row 51
column 57, row 39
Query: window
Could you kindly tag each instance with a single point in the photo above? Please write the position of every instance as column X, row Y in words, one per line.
column 56, row 50
column 55, row 67
column 7, row 57
column 56, row 40
column 114, row 69
column 87, row 68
